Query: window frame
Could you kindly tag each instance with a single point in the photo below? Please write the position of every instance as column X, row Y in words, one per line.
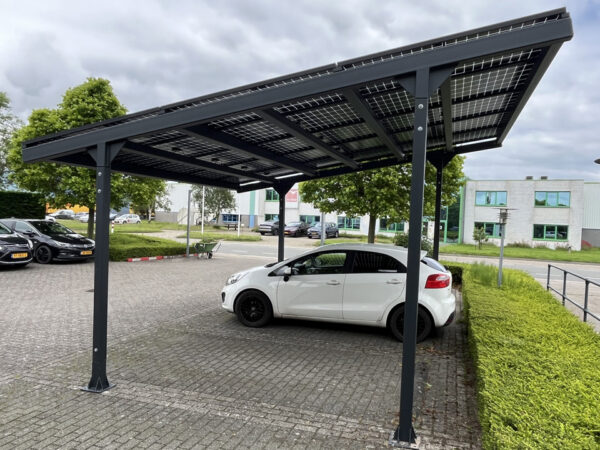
column 495, row 202
column 546, row 226
column 493, row 236
column 356, row 253
column 237, row 218
column 273, row 194
column 353, row 220
column 394, row 227
column 345, row 268
column 546, row 205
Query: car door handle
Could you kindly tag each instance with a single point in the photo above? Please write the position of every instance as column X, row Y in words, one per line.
column 394, row 281
column 333, row 282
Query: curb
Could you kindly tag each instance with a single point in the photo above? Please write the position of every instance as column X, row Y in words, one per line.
column 158, row 258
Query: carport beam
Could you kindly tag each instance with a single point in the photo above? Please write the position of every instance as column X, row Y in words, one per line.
column 281, row 189
column 103, row 154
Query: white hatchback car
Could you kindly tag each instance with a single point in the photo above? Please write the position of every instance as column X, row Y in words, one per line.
column 361, row 284
column 128, row 218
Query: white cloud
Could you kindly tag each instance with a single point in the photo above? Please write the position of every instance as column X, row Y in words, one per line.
column 158, row 52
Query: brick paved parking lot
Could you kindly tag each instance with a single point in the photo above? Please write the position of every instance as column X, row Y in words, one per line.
column 188, row 375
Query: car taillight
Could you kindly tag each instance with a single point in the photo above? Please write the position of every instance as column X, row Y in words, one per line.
column 437, row 281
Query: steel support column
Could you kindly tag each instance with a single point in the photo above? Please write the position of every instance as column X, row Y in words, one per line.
column 281, row 189
column 405, row 432
column 438, row 210
column 103, row 155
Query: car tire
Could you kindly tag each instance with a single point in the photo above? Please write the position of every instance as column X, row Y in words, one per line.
column 262, row 233
column 424, row 323
column 43, row 254
column 274, row 232
column 253, row 309
column 337, row 234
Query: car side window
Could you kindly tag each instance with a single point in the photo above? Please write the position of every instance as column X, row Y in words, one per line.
column 22, row 227
column 320, row 264
column 371, row 262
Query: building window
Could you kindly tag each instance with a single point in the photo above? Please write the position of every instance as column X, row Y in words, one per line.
column 230, row 218
column 490, row 198
column 348, row 223
column 270, row 217
column 553, row 199
column 272, row 195
column 386, row 225
column 491, row 229
column 310, row 219
column 550, row 232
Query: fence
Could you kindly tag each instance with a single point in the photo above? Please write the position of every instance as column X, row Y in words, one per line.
column 563, row 294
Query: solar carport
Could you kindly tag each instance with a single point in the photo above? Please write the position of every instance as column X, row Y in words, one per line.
column 429, row 101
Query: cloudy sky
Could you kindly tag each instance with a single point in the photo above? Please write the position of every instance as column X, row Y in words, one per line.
column 158, row 52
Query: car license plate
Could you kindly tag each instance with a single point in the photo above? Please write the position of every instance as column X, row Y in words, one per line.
column 19, row 255
column 86, row 252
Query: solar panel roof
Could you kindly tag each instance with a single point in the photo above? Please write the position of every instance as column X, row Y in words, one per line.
column 348, row 116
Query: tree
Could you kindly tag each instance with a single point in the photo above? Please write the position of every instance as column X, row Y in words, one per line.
column 479, row 236
column 380, row 192
column 8, row 124
column 87, row 103
column 146, row 197
column 216, row 200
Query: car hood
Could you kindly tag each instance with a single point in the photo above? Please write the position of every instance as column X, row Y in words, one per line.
column 12, row 239
column 69, row 238
column 314, row 229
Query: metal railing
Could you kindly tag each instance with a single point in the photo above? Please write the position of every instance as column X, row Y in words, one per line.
column 563, row 294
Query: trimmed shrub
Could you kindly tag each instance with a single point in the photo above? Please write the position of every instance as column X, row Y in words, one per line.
column 123, row 246
column 538, row 366
column 22, row 205
column 401, row 240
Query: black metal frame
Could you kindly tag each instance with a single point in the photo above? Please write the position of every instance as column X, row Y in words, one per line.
column 258, row 136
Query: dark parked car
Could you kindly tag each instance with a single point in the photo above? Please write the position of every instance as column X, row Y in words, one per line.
column 14, row 249
column 296, row 229
column 271, row 227
column 63, row 214
column 331, row 230
column 52, row 240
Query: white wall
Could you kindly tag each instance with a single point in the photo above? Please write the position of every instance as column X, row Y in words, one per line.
column 520, row 196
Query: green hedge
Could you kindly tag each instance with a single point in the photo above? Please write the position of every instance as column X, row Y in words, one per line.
column 23, row 205
column 538, row 366
column 124, row 246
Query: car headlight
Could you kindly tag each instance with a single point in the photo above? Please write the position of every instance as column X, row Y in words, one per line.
column 62, row 244
column 30, row 244
column 236, row 277
column 1, row 248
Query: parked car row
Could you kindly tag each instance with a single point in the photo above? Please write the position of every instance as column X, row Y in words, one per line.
column 68, row 214
column 24, row 240
column 296, row 229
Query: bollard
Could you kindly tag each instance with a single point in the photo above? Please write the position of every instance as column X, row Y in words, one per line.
column 112, row 226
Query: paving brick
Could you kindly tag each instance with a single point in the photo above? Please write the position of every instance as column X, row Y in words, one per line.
column 188, row 375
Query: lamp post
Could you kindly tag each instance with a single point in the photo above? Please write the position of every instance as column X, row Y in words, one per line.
column 502, row 219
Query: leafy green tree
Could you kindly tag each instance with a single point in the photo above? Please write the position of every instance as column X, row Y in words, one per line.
column 216, row 200
column 380, row 192
column 8, row 124
column 146, row 197
column 87, row 103
column 479, row 236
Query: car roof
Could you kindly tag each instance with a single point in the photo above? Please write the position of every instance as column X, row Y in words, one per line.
column 380, row 248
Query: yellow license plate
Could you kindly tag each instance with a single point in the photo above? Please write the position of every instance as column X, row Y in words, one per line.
column 86, row 252
column 19, row 255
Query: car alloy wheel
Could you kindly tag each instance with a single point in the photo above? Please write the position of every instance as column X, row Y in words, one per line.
column 253, row 309
column 43, row 254
column 424, row 324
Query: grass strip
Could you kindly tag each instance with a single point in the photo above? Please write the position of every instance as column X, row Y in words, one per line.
column 592, row 255
column 538, row 366
column 210, row 236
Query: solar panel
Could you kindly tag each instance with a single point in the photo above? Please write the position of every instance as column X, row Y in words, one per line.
column 285, row 126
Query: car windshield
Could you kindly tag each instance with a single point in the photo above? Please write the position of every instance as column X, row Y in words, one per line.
column 4, row 230
column 294, row 224
column 51, row 227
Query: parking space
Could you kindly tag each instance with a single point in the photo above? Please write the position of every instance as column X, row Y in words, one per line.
column 188, row 375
